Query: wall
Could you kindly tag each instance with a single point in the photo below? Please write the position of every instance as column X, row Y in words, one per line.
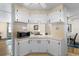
column 57, row 30
column 5, row 12
column 41, row 28
column 5, row 17
column 3, row 29
column 75, row 28
column 48, row 28
column 19, row 27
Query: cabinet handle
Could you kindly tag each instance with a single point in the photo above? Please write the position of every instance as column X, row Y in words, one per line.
column 48, row 42
column 18, row 43
column 29, row 41
column 38, row 41
column 59, row 43
column 17, row 10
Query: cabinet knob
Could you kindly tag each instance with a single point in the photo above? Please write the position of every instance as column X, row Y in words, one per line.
column 29, row 41
column 18, row 43
column 38, row 41
column 58, row 43
column 48, row 41
column 17, row 10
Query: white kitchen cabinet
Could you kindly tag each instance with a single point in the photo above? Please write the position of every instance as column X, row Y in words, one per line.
column 44, row 46
column 56, row 16
column 50, row 48
column 24, row 47
column 16, row 48
column 38, row 18
column 41, row 45
column 34, row 45
column 21, row 15
column 55, row 48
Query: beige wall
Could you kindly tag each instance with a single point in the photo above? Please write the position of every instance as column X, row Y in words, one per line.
column 24, row 27
column 57, row 30
column 3, row 29
column 19, row 27
column 41, row 27
column 50, row 29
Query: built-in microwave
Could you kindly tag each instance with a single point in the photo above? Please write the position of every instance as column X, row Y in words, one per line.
column 23, row 34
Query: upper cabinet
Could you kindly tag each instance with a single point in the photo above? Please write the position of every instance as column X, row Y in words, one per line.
column 21, row 14
column 57, row 14
column 38, row 18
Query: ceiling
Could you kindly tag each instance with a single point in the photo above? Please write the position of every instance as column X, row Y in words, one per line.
column 71, row 7
column 40, row 6
column 46, row 6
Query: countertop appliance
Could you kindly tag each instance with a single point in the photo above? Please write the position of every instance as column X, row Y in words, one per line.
column 23, row 34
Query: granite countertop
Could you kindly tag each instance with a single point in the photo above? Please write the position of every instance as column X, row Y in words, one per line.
column 38, row 37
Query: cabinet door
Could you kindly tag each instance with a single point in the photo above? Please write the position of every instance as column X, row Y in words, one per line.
column 64, row 48
column 54, row 47
column 24, row 47
column 16, row 48
column 50, row 48
column 21, row 15
column 35, row 43
column 43, row 46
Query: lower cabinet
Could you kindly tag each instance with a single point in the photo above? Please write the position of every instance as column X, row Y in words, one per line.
column 39, row 46
column 43, row 46
column 24, row 47
column 51, row 46
column 35, row 45
column 55, row 48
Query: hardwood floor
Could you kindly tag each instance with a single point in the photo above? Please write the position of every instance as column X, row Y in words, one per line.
column 37, row 54
column 4, row 48
column 73, row 52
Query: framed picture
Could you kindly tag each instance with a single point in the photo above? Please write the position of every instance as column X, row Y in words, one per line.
column 35, row 27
